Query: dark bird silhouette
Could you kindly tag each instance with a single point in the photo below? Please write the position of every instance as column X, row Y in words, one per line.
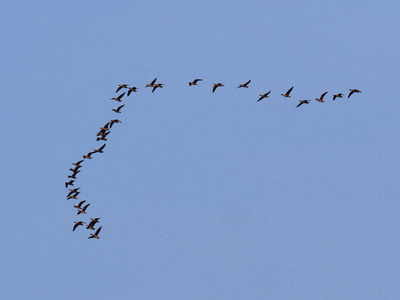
column 245, row 85
column 74, row 196
column 158, row 85
column 287, row 94
column 321, row 99
column 151, row 83
column 77, row 224
column 67, row 183
column 79, row 206
column 352, row 91
column 103, row 136
column 340, row 95
column 118, row 109
column 89, row 155
column 114, row 121
column 92, row 223
column 83, row 210
column 119, row 97
column 72, row 191
column 303, row 102
column 132, row 89
column 216, row 85
column 121, row 86
column 194, row 82
column 100, row 150
column 264, row 96
column 75, row 169
column 73, row 175
column 78, row 164
column 96, row 234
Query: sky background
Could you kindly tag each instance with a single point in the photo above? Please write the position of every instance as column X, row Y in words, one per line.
column 201, row 195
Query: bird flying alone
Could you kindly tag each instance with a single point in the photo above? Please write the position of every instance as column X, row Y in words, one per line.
column 96, row 234
column 264, row 96
column 194, row 82
column 321, row 99
column 352, row 91
column 118, row 109
column 216, row 85
column 303, row 102
column 245, row 85
column 287, row 94
column 340, row 95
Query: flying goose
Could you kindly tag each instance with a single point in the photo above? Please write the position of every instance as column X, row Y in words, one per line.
column 287, row 94
column 118, row 109
column 264, row 96
column 194, row 82
column 79, row 206
column 132, row 89
column 67, row 183
column 83, row 210
column 303, row 102
column 340, row 95
column 119, row 97
column 321, row 99
column 216, row 85
column 151, row 83
column 158, row 85
column 121, row 86
column 96, row 234
column 100, row 150
column 77, row 224
column 114, row 121
column 245, row 85
column 353, row 91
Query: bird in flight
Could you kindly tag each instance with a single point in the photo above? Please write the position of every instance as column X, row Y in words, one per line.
column 118, row 109
column 77, row 224
column 96, row 234
column 340, row 95
column 158, row 85
column 132, row 89
column 287, row 94
column 321, row 99
column 100, row 150
column 194, row 82
column 121, row 86
column 78, row 164
column 67, row 183
column 92, row 223
column 352, row 91
column 89, row 155
column 216, row 85
column 114, row 121
column 245, row 85
column 303, row 102
column 151, row 83
column 119, row 97
column 264, row 96
column 79, row 206
column 83, row 210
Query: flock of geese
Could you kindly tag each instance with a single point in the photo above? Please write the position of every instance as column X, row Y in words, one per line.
column 105, row 131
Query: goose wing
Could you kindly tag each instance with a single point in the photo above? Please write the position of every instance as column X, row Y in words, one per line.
column 323, row 95
column 247, row 82
column 289, row 90
column 98, row 231
column 214, row 88
column 154, row 81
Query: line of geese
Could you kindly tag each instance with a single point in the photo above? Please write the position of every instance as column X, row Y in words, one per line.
column 74, row 192
column 105, row 131
column 155, row 85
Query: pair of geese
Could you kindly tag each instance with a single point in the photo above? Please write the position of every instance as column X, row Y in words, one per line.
column 90, row 226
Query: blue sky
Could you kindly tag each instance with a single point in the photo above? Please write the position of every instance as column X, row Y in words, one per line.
column 201, row 195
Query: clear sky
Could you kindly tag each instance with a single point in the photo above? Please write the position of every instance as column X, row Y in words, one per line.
column 201, row 195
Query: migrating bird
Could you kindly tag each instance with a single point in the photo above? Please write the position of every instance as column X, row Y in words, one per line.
column 103, row 136
column 264, row 96
column 77, row 224
column 73, row 175
column 303, row 102
column 88, row 156
column 114, row 121
column 353, row 91
column 74, row 196
column 118, row 109
column 92, row 223
column 194, row 82
column 75, row 169
column 287, row 94
column 83, row 210
column 96, row 234
column 340, row 95
column 151, row 83
column 216, row 85
column 158, row 85
column 245, row 85
column 67, row 183
column 79, row 206
column 121, row 86
column 320, row 99
column 100, row 150
column 132, row 89
column 78, row 164
column 72, row 191
column 119, row 97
